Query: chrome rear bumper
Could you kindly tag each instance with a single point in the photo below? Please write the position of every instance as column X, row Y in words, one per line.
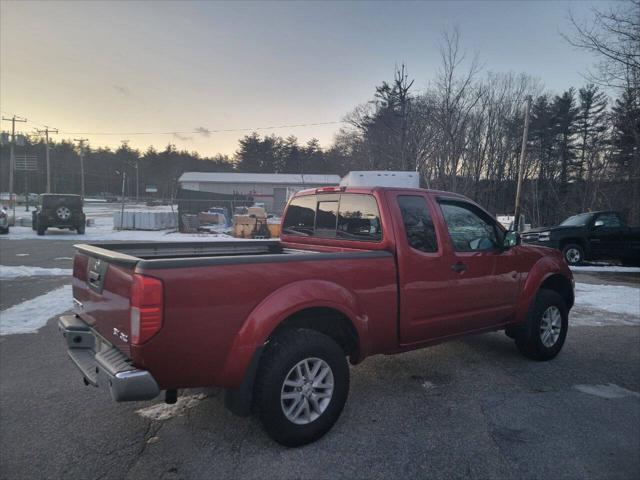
column 104, row 365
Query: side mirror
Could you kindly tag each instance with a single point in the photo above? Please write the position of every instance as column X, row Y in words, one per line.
column 511, row 239
column 598, row 223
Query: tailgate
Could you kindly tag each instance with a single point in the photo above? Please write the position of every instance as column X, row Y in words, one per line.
column 101, row 293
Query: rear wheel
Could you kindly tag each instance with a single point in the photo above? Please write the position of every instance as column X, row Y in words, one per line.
column 302, row 386
column 80, row 229
column 546, row 329
column 573, row 254
column 41, row 229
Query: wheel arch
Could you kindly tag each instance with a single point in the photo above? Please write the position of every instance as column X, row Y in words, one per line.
column 548, row 272
column 298, row 305
column 560, row 284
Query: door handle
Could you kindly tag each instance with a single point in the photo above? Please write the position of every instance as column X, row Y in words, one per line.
column 458, row 267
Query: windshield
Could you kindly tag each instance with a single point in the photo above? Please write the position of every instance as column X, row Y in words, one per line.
column 577, row 220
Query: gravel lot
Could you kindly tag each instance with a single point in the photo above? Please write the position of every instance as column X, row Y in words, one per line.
column 469, row 408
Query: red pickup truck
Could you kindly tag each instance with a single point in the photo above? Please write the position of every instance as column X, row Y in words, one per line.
column 356, row 272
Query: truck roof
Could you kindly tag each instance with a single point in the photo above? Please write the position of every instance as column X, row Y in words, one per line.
column 330, row 190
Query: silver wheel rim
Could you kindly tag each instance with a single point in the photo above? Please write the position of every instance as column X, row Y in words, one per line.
column 572, row 255
column 307, row 391
column 63, row 213
column 550, row 326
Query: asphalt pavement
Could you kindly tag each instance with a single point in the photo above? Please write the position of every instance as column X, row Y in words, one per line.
column 472, row 408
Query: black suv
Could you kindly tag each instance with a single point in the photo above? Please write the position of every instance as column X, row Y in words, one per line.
column 60, row 211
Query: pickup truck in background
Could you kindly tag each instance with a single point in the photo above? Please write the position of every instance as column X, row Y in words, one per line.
column 358, row 271
column 591, row 236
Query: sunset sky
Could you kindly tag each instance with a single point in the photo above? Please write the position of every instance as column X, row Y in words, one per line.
column 141, row 67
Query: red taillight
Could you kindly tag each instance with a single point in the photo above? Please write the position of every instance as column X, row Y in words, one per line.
column 146, row 308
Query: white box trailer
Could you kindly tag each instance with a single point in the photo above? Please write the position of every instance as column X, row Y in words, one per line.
column 381, row 178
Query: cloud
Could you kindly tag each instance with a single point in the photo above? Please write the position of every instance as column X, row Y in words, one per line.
column 205, row 132
column 122, row 90
column 181, row 137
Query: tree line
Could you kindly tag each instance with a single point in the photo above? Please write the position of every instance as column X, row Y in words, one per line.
column 463, row 133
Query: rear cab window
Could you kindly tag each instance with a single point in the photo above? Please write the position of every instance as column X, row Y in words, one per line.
column 347, row 216
column 418, row 224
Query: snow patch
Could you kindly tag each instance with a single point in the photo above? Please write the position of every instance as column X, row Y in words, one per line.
column 22, row 254
column 606, row 269
column 20, row 271
column 607, row 391
column 31, row 315
column 163, row 411
column 611, row 298
column 107, row 234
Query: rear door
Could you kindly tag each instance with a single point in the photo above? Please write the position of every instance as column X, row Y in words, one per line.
column 426, row 299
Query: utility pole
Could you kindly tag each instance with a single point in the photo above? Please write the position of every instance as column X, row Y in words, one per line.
column 12, row 157
column 137, row 183
column 46, row 132
column 81, row 145
column 523, row 156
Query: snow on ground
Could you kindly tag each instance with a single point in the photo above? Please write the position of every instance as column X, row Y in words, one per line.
column 102, row 229
column 605, row 269
column 163, row 411
column 600, row 305
column 93, row 234
column 612, row 298
column 31, row 315
column 608, row 391
column 20, row 271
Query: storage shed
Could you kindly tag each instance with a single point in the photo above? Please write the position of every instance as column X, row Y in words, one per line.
column 271, row 189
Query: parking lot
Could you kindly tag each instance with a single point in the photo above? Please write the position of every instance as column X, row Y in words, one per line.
column 469, row 408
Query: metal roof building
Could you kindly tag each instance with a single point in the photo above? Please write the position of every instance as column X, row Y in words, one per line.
column 272, row 189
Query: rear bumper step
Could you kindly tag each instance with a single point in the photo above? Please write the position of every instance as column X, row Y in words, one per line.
column 103, row 365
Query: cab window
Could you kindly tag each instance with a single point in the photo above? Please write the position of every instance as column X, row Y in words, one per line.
column 359, row 218
column 418, row 224
column 346, row 216
column 301, row 216
column 610, row 220
column 470, row 229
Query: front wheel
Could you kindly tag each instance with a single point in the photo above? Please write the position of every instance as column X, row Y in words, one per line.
column 80, row 229
column 546, row 329
column 302, row 386
column 573, row 254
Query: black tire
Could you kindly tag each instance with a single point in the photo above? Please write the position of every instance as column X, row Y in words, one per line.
column 41, row 229
column 80, row 229
column 281, row 355
column 4, row 231
column 573, row 254
column 529, row 340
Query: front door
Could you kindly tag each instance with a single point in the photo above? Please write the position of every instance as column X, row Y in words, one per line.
column 606, row 236
column 483, row 275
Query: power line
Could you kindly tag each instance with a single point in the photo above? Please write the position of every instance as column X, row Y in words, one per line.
column 207, row 131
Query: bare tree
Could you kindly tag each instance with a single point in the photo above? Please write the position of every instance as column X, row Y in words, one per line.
column 613, row 36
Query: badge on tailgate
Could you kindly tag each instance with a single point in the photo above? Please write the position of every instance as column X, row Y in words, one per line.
column 97, row 272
